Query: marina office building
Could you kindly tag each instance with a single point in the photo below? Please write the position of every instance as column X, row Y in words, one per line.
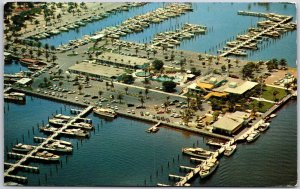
column 230, row 122
column 95, row 70
column 220, row 86
column 122, row 61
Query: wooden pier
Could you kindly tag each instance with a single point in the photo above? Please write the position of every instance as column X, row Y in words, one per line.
column 25, row 157
column 24, row 167
column 255, row 37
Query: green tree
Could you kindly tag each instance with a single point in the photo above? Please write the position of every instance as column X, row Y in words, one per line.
column 120, row 97
column 157, row 64
column 126, row 90
column 169, row 86
column 142, row 100
column 79, row 88
column 283, row 62
column 100, row 93
column 125, row 78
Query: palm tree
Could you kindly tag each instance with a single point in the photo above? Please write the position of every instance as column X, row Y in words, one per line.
column 47, row 56
column 79, row 88
column 54, row 57
column 120, row 97
column 142, row 101
column 283, row 62
column 106, row 85
column 100, row 93
column 146, row 92
column 31, row 53
column 38, row 53
column 275, row 93
column 126, row 90
column 188, row 99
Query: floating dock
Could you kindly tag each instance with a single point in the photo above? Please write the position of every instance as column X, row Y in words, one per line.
column 25, row 157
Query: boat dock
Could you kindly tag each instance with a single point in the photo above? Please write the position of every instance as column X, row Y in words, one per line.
column 183, row 180
column 24, row 167
column 249, row 40
column 154, row 128
column 170, row 39
column 41, row 139
column 25, row 157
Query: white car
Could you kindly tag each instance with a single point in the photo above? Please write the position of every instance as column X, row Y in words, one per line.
column 76, row 98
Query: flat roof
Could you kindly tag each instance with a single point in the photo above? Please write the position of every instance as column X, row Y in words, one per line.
column 240, row 89
column 123, row 59
column 230, row 121
column 24, row 81
column 96, row 69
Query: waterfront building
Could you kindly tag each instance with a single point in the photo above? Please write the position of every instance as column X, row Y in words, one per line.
column 230, row 122
column 220, row 86
column 122, row 61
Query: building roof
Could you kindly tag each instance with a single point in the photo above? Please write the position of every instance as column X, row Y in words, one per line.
column 24, row 81
column 230, row 121
column 214, row 93
column 228, row 124
column 240, row 89
column 204, row 85
column 113, row 57
column 96, row 69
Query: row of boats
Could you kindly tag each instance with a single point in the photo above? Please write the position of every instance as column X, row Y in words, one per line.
column 253, row 35
column 46, row 153
column 84, row 21
column 15, row 97
column 140, row 22
column 256, row 132
column 171, row 39
column 208, row 158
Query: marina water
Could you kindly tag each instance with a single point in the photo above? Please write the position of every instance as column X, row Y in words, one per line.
column 121, row 152
column 222, row 22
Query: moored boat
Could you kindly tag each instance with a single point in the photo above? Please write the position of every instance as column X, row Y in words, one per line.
column 23, row 147
column 253, row 136
column 106, row 112
column 209, row 167
column 57, row 146
column 229, row 150
column 197, row 152
column 47, row 155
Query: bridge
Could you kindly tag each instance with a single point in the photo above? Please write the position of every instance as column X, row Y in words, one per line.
column 25, row 157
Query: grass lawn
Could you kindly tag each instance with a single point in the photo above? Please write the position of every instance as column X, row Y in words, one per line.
column 263, row 109
column 268, row 93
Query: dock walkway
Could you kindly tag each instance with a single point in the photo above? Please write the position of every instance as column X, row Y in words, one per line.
column 256, row 36
column 50, row 138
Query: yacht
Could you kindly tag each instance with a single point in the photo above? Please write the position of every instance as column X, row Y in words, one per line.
column 106, row 112
column 264, row 126
column 253, row 136
column 209, row 167
column 229, row 150
column 197, row 152
column 57, row 146
column 23, row 147
column 47, row 155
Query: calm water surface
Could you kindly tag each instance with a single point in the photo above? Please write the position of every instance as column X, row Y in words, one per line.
column 122, row 153
column 221, row 19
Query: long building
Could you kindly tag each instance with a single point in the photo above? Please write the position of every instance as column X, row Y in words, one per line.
column 122, row 61
column 95, row 70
